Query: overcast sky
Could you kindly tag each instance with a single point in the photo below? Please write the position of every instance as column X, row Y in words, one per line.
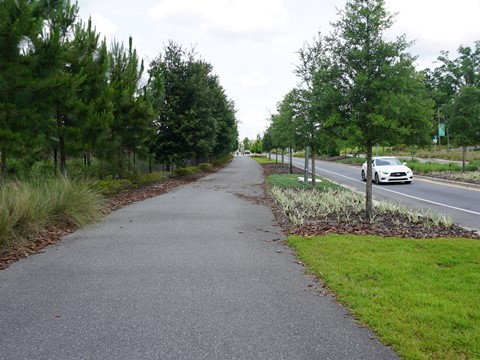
column 252, row 44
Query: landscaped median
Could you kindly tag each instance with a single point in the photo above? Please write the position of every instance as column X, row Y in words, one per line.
column 416, row 285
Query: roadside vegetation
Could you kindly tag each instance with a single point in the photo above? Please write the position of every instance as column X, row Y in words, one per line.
column 28, row 208
column 303, row 205
column 419, row 296
column 412, row 277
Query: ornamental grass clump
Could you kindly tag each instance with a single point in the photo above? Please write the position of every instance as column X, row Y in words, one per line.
column 26, row 208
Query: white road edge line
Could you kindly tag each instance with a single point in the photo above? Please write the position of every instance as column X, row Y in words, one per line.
column 409, row 196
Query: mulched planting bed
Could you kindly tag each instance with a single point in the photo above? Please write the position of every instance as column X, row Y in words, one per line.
column 383, row 225
column 279, row 168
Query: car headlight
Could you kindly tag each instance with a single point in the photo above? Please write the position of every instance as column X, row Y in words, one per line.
column 384, row 172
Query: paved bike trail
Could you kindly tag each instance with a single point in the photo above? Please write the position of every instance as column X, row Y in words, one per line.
column 193, row 274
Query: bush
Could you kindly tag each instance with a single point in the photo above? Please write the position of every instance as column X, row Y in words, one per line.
column 148, row 178
column 111, row 186
column 205, row 166
column 185, row 172
column 222, row 160
column 429, row 167
column 473, row 165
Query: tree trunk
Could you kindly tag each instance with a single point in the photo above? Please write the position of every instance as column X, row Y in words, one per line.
column 276, row 155
column 61, row 145
column 464, row 155
column 63, row 156
column 313, row 167
column 368, row 195
column 4, row 163
column 305, row 173
column 55, row 160
column 291, row 160
column 283, row 155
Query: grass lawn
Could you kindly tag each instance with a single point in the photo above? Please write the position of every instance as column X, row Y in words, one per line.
column 264, row 160
column 419, row 296
column 291, row 181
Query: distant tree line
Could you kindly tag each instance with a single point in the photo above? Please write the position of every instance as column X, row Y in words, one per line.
column 65, row 94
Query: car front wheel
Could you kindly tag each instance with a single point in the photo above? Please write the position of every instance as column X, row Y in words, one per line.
column 377, row 180
column 363, row 176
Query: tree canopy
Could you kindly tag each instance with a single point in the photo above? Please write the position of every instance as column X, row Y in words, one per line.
column 65, row 95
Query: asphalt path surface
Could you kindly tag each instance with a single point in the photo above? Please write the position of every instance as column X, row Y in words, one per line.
column 459, row 202
column 192, row 274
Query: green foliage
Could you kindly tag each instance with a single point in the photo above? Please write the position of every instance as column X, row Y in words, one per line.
column 186, row 172
column 196, row 119
column 222, row 160
column 429, row 167
column 263, row 160
column 464, row 117
column 205, row 166
column 27, row 208
column 111, row 186
column 256, row 147
column 473, row 166
column 419, row 296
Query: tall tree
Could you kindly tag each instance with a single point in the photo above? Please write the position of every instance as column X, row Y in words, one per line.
column 19, row 26
column 317, row 95
column 195, row 119
column 133, row 113
column 376, row 76
column 447, row 80
column 464, row 115
column 58, row 62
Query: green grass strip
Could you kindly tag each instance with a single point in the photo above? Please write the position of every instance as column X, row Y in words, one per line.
column 291, row 181
column 419, row 296
column 266, row 160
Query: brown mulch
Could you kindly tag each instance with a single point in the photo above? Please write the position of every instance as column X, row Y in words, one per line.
column 279, row 168
column 395, row 226
column 53, row 235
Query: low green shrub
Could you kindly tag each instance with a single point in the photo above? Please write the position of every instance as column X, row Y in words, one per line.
column 187, row 171
column 205, row 166
column 222, row 160
column 429, row 167
column 111, row 186
column 473, row 166
column 142, row 179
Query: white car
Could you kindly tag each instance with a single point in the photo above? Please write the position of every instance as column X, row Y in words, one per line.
column 387, row 169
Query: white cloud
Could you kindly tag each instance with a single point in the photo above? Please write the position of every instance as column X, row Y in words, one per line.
column 441, row 24
column 226, row 18
column 253, row 82
column 253, row 123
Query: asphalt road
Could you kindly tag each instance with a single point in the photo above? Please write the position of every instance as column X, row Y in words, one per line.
column 192, row 274
column 462, row 204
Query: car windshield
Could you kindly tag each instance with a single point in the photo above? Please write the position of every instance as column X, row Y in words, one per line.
column 388, row 162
